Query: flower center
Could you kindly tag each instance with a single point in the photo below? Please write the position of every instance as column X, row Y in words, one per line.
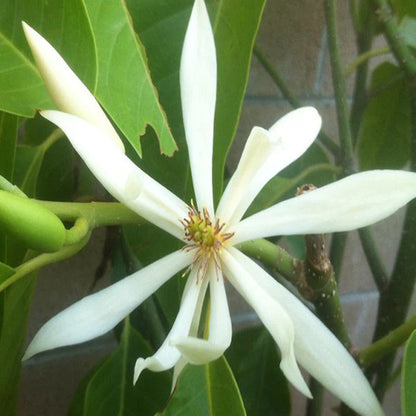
column 205, row 237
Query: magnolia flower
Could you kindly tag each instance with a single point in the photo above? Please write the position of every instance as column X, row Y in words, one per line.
column 210, row 235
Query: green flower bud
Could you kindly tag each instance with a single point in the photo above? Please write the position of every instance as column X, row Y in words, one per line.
column 31, row 223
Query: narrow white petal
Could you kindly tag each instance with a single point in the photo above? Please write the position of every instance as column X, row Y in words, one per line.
column 198, row 78
column 177, row 370
column 193, row 331
column 96, row 314
column 353, row 202
column 201, row 351
column 65, row 88
column 271, row 313
column 265, row 154
column 120, row 176
column 167, row 355
column 316, row 348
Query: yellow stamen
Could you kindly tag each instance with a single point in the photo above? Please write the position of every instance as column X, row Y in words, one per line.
column 205, row 237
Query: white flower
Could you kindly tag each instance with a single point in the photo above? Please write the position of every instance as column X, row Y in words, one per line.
column 210, row 235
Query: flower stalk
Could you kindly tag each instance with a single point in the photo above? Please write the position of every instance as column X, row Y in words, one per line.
column 387, row 344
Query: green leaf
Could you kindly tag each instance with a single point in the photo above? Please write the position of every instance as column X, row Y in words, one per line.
column 235, row 29
column 65, row 25
column 5, row 272
column 407, row 29
column 28, row 163
column 16, row 304
column 8, row 136
column 255, row 362
column 404, row 7
column 125, row 88
column 8, row 133
column 386, row 122
column 409, row 377
column 109, row 389
column 206, row 390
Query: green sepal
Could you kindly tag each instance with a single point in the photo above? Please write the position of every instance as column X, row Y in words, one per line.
column 31, row 223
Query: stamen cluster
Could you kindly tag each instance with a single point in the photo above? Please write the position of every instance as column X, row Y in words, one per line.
column 204, row 236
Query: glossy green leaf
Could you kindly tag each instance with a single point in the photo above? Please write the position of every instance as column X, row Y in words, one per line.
column 255, row 362
column 384, row 137
column 30, row 158
column 206, row 390
column 109, row 389
column 125, row 88
column 153, row 21
column 64, row 23
column 409, row 377
column 16, row 304
column 57, row 168
column 407, row 29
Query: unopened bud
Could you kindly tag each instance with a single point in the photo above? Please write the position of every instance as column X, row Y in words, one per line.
column 30, row 223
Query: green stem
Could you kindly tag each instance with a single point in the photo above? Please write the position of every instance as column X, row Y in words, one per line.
column 79, row 230
column 276, row 77
column 42, row 260
column 401, row 51
column 364, row 39
column 337, row 250
column 388, row 343
column 363, row 59
column 274, row 257
column 96, row 213
column 314, row 406
column 314, row 285
column 323, row 286
column 290, row 97
column 347, row 157
column 374, row 260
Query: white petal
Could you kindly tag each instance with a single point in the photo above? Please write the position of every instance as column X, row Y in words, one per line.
column 270, row 312
column 66, row 89
column 265, row 154
column 167, row 355
column 198, row 77
column 201, row 351
column 353, row 202
column 120, row 176
column 98, row 313
column 316, row 348
column 177, row 370
column 193, row 331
